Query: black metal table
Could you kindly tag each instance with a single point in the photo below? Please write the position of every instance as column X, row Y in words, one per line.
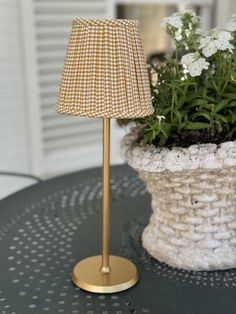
column 47, row 228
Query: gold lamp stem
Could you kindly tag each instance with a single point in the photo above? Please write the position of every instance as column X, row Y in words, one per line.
column 106, row 197
column 105, row 273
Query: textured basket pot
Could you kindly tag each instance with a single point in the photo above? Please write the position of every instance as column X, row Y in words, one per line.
column 193, row 225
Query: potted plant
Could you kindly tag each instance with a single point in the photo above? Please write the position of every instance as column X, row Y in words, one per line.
column 186, row 151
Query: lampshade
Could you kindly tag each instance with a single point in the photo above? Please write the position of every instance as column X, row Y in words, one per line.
column 105, row 73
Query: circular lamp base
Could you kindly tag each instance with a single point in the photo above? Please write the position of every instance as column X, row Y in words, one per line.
column 87, row 275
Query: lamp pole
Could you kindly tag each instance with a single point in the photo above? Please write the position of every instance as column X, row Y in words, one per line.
column 106, row 197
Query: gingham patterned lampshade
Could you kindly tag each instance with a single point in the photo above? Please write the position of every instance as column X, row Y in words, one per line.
column 105, row 73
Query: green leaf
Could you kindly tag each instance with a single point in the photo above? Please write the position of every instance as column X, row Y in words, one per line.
column 180, row 102
column 197, row 125
column 220, row 117
column 201, row 114
column 222, row 104
column 199, row 101
column 178, row 116
column 233, row 116
column 218, row 126
column 164, row 133
column 207, row 106
column 165, row 111
column 163, row 139
column 147, row 137
column 230, row 95
column 232, row 104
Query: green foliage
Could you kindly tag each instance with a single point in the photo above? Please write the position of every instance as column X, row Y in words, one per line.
column 183, row 102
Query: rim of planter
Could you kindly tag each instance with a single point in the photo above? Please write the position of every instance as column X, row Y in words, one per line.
column 161, row 159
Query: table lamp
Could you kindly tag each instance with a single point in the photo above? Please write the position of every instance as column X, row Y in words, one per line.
column 105, row 76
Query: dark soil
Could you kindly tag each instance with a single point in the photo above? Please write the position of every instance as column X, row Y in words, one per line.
column 192, row 137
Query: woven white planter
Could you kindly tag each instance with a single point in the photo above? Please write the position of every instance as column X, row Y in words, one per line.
column 193, row 225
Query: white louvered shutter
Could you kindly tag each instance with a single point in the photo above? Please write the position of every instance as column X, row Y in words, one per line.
column 13, row 126
column 59, row 143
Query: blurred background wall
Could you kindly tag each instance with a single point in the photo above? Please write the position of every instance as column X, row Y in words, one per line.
column 33, row 40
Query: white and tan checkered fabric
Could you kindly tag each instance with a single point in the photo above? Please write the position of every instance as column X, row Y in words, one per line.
column 105, row 72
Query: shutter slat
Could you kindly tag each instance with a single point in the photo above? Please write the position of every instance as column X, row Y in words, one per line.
column 60, row 7
column 47, row 78
column 57, row 121
column 66, row 18
column 67, row 130
column 59, row 144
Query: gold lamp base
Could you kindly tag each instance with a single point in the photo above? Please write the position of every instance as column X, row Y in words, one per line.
column 88, row 276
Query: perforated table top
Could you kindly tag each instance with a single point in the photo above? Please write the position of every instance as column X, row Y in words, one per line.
column 47, row 228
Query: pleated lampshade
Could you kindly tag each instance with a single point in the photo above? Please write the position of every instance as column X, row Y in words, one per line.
column 105, row 73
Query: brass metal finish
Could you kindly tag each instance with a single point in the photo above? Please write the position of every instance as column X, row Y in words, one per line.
column 105, row 273
column 87, row 275
column 106, row 197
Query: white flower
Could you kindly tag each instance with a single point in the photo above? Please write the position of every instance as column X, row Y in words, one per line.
column 174, row 20
column 187, row 32
column 188, row 59
column 224, row 45
column 215, row 40
column 209, row 49
column 178, row 34
column 224, row 35
column 160, row 118
column 190, row 12
column 231, row 26
column 194, row 69
column 185, row 70
column 222, row 41
column 204, row 40
column 202, row 63
column 193, row 64
column 195, row 19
